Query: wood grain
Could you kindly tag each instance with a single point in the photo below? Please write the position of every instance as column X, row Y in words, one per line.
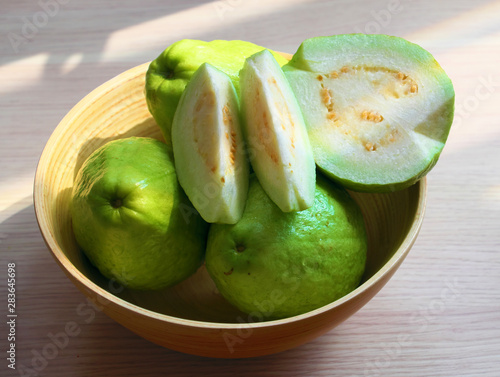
column 438, row 316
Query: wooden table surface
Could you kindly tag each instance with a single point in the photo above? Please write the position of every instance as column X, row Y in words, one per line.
column 440, row 313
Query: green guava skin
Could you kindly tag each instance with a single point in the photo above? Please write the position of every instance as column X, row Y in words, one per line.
column 318, row 55
column 275, row 265
column 131, row 217
column 169, row 73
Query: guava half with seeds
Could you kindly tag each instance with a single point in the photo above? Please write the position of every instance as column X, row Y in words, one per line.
column 275, row 133
column 378, row 108
column 210, row 158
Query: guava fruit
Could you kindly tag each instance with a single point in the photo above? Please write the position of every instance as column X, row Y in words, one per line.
column 169, row 73
column 274, row 264
column 378, row 108
column 275, row 134
column 131, row 217
column 210, row 158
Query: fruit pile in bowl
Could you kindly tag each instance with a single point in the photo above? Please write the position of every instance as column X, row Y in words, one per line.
column 225, row 200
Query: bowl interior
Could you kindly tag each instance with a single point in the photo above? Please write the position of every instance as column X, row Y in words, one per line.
column 117, row 109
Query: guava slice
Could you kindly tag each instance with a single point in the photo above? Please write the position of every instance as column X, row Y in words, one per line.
column 210, row 159
column 275, row 134
column 378, row 109
column 169, row 73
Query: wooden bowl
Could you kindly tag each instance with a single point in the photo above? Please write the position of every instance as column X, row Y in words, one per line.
column 192, row 317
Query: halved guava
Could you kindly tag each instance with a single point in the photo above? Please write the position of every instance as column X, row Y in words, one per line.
column 378, row 108
column 275, row 134
column 210, row 159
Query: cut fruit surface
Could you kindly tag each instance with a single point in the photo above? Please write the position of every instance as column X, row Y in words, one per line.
column 209, row 154
column 378, row 109
column 276, row 136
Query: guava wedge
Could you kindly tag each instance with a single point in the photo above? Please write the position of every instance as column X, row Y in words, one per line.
column 378, row 109
column 210, row 158
column 275, row 134
column 169, row 73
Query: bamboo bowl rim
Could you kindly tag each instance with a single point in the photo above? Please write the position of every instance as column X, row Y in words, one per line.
column 70, row 269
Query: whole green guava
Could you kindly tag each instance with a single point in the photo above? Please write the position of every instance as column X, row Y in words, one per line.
column 273, row 264
column 131, row 217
